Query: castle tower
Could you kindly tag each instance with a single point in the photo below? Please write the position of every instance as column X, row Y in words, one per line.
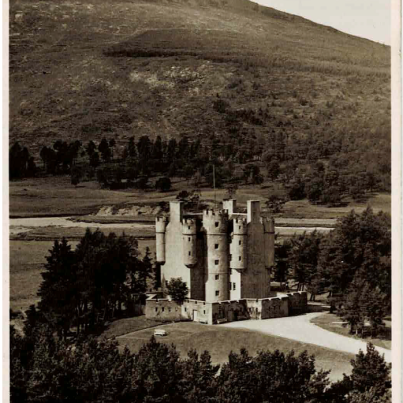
column 160, row 228
column 268, row 224
column 217, row 281
column 238, row 245
column 189, row 236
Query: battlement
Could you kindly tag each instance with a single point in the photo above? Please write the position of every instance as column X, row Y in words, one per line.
column 240, row 226
column 161, row 224
column 215, row 221
column 189, row 226
column 268, row 224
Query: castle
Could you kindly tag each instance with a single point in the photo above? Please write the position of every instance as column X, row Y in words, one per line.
column 225, row 257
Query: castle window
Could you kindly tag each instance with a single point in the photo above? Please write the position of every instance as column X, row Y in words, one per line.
column 216, row 224
column 234, row 286
column 240, row 242
column 156, row 309
column 216, row 246
column 239, row 227
column 188, row 226
column 186, row 309
column 217, row 293
column 240, row 258
column 204, row 312
column 169, row 309
column 188, row 238
column 163, row 309
column 217, row 276
column 190, row 253
column 216, row 262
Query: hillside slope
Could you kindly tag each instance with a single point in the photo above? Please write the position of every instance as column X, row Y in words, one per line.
column 88, row 69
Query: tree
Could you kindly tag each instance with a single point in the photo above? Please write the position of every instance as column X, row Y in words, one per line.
column 275, row 204
column 371, row 373
column 177, row 289
column 163, row 184
column 273, row 169
column 76, row 175
column 105, row 150
column 296, row 190
column 58, row 290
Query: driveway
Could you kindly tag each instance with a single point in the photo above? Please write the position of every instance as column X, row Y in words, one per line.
column 301, row 329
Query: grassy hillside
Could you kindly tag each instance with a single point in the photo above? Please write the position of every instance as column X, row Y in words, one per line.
column 88, row 69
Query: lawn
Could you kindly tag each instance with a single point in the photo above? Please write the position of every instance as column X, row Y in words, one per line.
column 333, row 323
column 219, row 341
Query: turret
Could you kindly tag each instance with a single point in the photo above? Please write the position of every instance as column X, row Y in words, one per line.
column 215, row 224
column 160, row 228
column 269, row 233
column 189, row 236
column 238, row 245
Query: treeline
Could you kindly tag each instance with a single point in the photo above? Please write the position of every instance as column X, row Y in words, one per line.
column 44, row 368
column 306, row 168
column 352, row 264
column 86, row 287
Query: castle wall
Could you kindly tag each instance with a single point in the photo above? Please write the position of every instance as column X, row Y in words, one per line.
column 163, row 310
column 298, row 303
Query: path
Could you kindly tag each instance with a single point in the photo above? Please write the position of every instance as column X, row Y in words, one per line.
column 301, row 329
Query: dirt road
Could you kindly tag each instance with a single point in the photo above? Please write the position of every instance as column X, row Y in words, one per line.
column 301, row 329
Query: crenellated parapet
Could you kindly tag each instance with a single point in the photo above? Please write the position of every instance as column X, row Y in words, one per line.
column 240, row 226
column 268, row 224
column 215, row 222
column 189, row 226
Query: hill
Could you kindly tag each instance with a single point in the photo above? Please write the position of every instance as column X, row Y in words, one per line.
column 224, row 71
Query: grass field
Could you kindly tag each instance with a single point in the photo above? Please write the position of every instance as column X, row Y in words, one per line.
column 333, row 323
column 220, row 341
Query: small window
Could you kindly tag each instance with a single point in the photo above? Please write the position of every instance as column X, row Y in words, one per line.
column 217, row 276
column 217, row 293
column 163, row 309
column 216, row 224
column 240, row 242
column 216, row 246
column 240, row 258
column 189, row 227
column 204, row 312
column 169, row 309
column 188, row 238
column 190, row 253
column 234, row 286
column 216, row 262
column 239, row 227
column 156, row 309
column 186, row 309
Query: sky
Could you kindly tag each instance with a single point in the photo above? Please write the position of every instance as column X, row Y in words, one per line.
column 369, row 19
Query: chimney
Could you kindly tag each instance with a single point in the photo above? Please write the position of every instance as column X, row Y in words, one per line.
column 229, row 205
column 253, row 211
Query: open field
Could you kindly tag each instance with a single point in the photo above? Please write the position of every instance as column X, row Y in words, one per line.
column 219, row 341
column 333, row 323
column 54, row 196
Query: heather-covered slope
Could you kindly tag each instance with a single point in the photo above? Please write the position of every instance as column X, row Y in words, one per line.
column 88, row 69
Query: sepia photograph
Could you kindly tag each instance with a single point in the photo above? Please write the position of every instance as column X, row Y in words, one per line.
column 200, row 201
